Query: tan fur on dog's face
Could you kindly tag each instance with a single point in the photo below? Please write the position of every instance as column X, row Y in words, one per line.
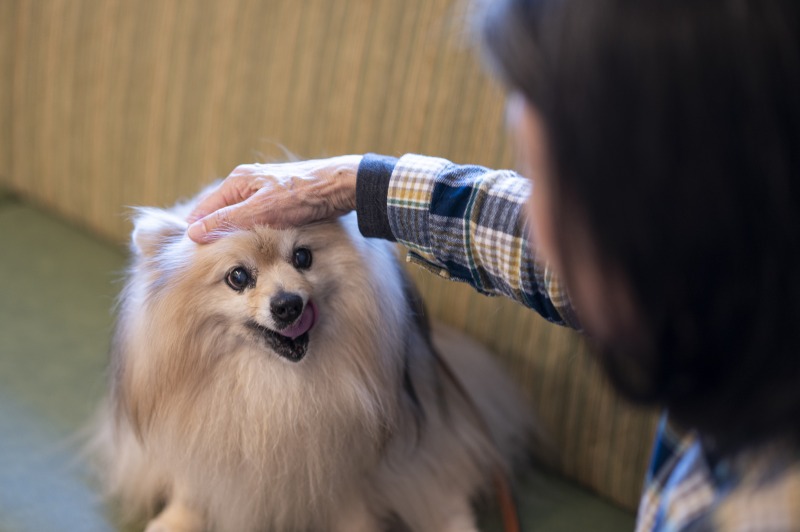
column 197, row 275
column 265, row 257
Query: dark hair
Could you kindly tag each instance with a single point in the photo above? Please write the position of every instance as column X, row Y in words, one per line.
column 674, row 127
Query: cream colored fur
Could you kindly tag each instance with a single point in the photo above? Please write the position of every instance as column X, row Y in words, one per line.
column 206, row 428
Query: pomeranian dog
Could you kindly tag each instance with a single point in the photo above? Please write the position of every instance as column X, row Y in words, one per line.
column 287, row 380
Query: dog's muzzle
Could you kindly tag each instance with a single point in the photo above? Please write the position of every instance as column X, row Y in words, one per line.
column 295, row 320
column 286, row 308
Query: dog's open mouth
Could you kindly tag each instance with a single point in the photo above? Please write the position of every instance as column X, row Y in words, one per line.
column 290, row 343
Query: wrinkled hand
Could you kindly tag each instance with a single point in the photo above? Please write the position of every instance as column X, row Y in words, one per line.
column 278, row 195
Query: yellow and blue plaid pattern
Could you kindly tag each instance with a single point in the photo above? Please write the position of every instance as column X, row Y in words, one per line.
column 467, row 223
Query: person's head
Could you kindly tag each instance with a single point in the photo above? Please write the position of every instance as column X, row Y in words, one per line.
column 663, row 139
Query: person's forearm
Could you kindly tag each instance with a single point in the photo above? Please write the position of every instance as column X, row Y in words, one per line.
column 465, row 223
column 340, row 185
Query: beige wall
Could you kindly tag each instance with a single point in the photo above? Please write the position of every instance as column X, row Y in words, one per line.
column 7, row 10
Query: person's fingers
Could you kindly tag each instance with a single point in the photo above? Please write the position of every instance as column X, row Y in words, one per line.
column 209, row 228
column 259, row 208
column 204, row 204
column 232, row 190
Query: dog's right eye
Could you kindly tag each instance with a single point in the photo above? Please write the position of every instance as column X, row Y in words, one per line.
column 238, row 278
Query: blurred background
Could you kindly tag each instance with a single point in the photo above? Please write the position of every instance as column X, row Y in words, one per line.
column 106, row 104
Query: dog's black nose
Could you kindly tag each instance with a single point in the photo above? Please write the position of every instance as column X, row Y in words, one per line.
column 286, row 308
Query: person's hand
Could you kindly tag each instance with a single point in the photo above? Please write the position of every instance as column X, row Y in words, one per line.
column 278, row 195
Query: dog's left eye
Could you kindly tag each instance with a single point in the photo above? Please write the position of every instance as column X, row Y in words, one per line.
column 238, row 278
column 301, row 259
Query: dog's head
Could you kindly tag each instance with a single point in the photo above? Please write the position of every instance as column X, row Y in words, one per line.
column 258, row 283
column 276, row 289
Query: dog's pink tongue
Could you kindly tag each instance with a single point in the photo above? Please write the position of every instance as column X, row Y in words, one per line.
column 303, row 323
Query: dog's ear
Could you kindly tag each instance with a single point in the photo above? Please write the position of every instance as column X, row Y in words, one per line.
column 152, row 228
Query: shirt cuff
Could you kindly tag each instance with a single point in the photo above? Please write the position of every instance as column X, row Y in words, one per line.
column 372, row 188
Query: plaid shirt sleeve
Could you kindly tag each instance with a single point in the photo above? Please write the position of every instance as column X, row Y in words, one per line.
column 464, row 223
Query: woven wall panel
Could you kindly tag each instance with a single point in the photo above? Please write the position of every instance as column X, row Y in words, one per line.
column 126, row 103
column 117, row 103
column 7, row 16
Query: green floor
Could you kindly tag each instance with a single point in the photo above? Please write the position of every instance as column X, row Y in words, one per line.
column 57, row 288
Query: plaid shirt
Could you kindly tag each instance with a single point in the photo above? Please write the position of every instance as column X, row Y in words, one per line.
column 464, row 223
column 467, row 223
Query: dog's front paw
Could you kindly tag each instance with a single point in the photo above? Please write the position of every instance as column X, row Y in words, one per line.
column 176, row 518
